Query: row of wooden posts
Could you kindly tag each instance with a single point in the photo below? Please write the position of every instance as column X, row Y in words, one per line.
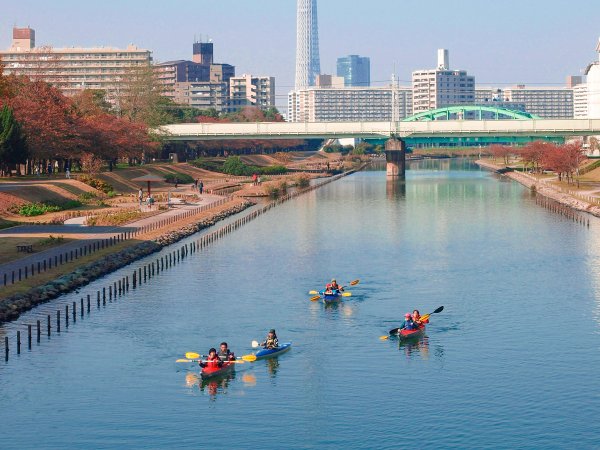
column 30, row 270
column 563, row 210
column 142, row 275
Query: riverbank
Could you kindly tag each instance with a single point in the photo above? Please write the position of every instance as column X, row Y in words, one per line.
column 544, row 189
column 11, row 307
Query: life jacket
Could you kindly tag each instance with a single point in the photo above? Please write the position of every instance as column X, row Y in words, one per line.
column 214, row 363
column 225, row 356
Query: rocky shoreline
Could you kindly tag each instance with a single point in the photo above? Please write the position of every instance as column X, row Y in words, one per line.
column 13, row 306
column 544, row 189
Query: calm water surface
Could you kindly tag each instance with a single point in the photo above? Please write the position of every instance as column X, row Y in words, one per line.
column 513, row 361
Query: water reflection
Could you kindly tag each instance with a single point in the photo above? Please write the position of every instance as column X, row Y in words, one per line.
column 217, row 385
column 273, row 366
column 415, row 346
column 395, row 189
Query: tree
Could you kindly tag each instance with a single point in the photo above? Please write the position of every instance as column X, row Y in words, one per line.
column 501, row 151
column 13, row 147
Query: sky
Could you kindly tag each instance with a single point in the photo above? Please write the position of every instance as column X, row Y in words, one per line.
column 534, row 42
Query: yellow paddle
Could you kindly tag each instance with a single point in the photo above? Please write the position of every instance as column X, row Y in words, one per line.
column 199, row 360
column 352, row 283
column 196, row 357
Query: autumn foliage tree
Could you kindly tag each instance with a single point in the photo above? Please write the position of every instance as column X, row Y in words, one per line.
column 501, row 151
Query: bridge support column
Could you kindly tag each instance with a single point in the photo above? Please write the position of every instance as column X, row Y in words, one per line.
column 395, row 155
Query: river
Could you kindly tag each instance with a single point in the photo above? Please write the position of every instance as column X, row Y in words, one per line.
column 511, row 362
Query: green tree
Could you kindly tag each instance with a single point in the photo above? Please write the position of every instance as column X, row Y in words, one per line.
column 13, row 147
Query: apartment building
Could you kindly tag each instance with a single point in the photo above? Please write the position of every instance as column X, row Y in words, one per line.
column 350, row 104
column 248, row 90
column 440, row 87
column 547, row 102
column 72, row 69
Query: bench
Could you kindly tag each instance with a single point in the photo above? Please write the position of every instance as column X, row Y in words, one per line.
column 176, row 201
column 27, row 248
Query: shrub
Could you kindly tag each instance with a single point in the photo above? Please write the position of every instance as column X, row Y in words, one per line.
column 96, row 183
column 272, row 170
column 208, row 164
column 302, row 180
column 180, row 177
column 35, row 209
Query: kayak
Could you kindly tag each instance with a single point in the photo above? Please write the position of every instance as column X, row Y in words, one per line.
column 212, row 372
column 409, row 334
column 333, row 296
column 270, row 352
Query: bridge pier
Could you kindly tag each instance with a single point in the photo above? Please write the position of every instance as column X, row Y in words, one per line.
column 395, row 155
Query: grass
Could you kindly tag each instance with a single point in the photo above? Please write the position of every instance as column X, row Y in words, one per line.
column 8, row 246
column 52, row 274
column 56, row 272
column 116, row 218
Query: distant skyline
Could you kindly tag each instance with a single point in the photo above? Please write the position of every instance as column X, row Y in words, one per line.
column 534, row 42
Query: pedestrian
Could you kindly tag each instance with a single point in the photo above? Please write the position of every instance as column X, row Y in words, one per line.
column 254, row 178
column 140, row 196
column 196, row 183
column 37, row 171
column 176, row 182
column 67, row 173
column 259, row 180
column 201, row 187
column 49, row 169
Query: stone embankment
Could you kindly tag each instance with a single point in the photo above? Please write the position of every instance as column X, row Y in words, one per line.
column 545, row 189
column 12, row 307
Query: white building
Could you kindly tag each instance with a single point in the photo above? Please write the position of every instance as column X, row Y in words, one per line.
column 71, row 69
column 580, row 101
column 440, row 87
column 351, row 104
column 593, row 87
column 544, row 101
column 248, row 90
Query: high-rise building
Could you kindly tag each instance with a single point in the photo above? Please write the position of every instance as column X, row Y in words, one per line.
column 356, row 70
column 593, row 87
column 248, row 90
column 329, row 81
column 199, row 83
column 580, row 101
column 349, row 104
column 72, row 69
column 308, row 64
column 440, row 87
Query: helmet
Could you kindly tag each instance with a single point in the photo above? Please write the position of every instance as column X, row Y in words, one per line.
column 272, row 330
column 333, row 280
column 407, row 315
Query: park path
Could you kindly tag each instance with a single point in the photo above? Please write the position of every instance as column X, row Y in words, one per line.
column 84, row 236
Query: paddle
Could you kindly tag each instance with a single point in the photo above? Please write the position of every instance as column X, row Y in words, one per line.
column 425, row 317
column 317, row 297
column 249, row 358
column 351, row 283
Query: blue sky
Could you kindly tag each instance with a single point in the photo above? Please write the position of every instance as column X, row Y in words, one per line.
column 501, row 43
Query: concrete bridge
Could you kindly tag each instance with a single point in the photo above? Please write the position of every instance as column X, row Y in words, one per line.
column 538, row 128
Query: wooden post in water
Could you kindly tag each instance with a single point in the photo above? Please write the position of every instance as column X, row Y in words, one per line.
column 58, row 321
column 39, row 331
column 6, row 350
column 29, row 336
column 48, row 325
column 18, row 342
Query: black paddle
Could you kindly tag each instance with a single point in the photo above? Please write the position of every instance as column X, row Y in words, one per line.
column 426, row 316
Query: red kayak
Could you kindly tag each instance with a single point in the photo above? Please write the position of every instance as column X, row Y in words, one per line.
column 408, row 334
column 212, row 371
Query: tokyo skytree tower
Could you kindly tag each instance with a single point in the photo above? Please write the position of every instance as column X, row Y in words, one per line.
column 308, row 64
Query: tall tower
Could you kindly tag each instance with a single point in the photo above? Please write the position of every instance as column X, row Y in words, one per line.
column 308, row 64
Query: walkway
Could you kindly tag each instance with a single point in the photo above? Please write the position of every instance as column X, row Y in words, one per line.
column 87, row 239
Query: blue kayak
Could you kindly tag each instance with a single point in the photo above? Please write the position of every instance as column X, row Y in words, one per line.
column 264, row 353
column 329, row 297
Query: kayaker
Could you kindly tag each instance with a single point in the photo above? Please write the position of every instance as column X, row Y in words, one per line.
column 224, row 353
column 212, row 360
column 409, row 323
column 416, row 317
column 333, row 286
column 271, row 341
